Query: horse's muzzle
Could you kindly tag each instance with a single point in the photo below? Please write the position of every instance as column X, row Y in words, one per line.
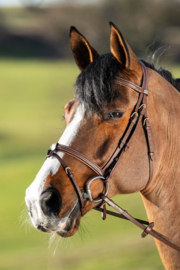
column 50, row 201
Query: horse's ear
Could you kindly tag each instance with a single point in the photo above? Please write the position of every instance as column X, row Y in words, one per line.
column 83, row 53
column 121, row 50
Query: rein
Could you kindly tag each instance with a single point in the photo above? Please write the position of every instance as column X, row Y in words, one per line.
column 138, row 116
column 140, row 223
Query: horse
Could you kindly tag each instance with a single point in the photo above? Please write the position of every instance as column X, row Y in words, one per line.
column 122, row 136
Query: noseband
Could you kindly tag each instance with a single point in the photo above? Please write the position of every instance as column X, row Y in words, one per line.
column 139, row 115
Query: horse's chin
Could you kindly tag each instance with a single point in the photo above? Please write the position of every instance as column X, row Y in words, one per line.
column 72, row 223
column 70, row 231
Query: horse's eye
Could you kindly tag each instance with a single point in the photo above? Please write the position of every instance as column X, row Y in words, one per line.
column 113, row 115
column 117, row 114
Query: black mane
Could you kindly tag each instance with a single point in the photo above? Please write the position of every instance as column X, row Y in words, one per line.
column 93, row 86
column 165, row 74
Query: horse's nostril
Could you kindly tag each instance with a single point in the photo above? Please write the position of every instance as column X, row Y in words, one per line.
column 50, row 201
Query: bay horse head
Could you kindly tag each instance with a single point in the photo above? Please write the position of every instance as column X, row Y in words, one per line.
column 84, row 163
column 96, row 120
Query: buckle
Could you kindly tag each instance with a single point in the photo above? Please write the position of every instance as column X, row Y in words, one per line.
column 88, row 194
column 143, row 106
column 51, row 150
column 134, row 114
column 145, row 92
column 145, row 119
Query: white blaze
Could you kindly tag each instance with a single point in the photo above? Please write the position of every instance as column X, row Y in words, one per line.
column 51, row 165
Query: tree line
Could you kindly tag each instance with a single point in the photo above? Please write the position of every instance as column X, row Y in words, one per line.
column 150, row 27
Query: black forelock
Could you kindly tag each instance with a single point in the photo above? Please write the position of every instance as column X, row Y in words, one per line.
column 93, row 86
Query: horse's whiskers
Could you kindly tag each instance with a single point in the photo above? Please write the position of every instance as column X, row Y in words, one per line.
column 24, row 220
column 83, row 229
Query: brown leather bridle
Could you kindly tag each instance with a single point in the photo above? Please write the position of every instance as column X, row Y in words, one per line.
column 138, row 116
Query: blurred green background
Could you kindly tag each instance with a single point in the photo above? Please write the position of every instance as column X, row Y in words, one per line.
column 35, row 85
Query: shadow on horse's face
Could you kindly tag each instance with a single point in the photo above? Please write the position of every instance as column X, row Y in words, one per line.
column 96, row 119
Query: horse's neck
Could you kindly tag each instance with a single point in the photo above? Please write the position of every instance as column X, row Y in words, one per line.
column 161, row 199
column 167, row 222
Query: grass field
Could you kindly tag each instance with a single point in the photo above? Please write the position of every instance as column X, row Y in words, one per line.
column 33, row 95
